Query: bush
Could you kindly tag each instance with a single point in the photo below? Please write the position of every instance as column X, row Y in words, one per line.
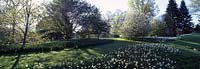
column 4, row 36
column 159, row 28
column 81, row 43
column 53, row 46
column 155, row 40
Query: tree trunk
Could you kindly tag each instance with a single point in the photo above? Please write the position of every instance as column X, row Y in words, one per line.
column 98, row 35
column 26, row 28
column 25, row 36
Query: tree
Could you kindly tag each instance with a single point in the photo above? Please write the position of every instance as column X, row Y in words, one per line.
column 10, row 18
column 12, row 9
column 68, row 17
column 172, row 18
column 187, row 25
column 159, row 28
column 136, row 25
column 138, row 18
column 29, row 15
column 197, row 28
column 4, row 38
column 59, row 10
column 48, row 29
column 116, row 22
column 94, row 24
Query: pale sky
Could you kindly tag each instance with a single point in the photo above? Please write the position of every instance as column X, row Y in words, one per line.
column 110, row 5
column 113, row 5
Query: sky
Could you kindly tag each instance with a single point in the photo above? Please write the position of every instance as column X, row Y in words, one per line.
column 113, row 5
column 110, row 5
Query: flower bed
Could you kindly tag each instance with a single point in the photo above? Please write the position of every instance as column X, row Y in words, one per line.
column 139, row 56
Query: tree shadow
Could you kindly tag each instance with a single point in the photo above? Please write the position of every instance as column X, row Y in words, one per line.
column 88, row 52
column 16, row 62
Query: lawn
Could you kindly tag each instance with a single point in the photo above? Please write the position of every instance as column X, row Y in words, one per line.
column 68, row 54
column 188, row 58
column 190, row 46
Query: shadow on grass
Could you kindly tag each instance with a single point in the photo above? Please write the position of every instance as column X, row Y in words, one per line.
column 68, row 54
column 16, row 62
column 97, row 51
column 45, row 48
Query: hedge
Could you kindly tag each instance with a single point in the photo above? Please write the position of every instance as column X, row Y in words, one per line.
column 53, row 46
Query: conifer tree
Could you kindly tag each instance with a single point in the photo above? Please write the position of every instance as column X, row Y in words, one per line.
column 186, row 24
column 172, row 17
column 197, row 28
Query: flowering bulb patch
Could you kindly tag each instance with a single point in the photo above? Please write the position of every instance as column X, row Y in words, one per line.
column 145, row 56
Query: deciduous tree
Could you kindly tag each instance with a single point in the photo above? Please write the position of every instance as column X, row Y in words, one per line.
column 138, row 18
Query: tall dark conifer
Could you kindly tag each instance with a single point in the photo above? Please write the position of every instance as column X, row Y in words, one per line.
column 172, row 17
column 186, row 24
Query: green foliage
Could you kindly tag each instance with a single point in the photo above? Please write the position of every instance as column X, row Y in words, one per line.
column 186, row 18
column 116, row 21
column 4, row 38
column 197, row 28
column 94, row 24
column 136, row 25
column 137, row 22
column 52, row 46
column 34, row 38
column 67, row 17
column 145, row 7
column 178, row 20
column 159, row 28
column 172, row 17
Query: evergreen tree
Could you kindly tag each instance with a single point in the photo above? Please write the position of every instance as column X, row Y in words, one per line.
column 172, row 17
column 186, row 24
column 197, row 28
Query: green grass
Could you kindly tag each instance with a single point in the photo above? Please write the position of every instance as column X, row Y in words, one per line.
column 189, row 57
column 194, row 38
column 188, row 42
column 70, row 55
column 52, row 46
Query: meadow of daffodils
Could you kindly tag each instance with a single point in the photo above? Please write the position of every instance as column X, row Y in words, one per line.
column 137, row 56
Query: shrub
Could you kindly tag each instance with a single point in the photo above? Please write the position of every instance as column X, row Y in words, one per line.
column 53, row 46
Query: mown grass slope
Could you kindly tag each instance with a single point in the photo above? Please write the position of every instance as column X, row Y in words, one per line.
column 68, row 54
column 188, row 58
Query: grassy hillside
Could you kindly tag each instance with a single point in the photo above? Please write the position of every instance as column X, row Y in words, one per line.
column 188, row 58
column 190, row 46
